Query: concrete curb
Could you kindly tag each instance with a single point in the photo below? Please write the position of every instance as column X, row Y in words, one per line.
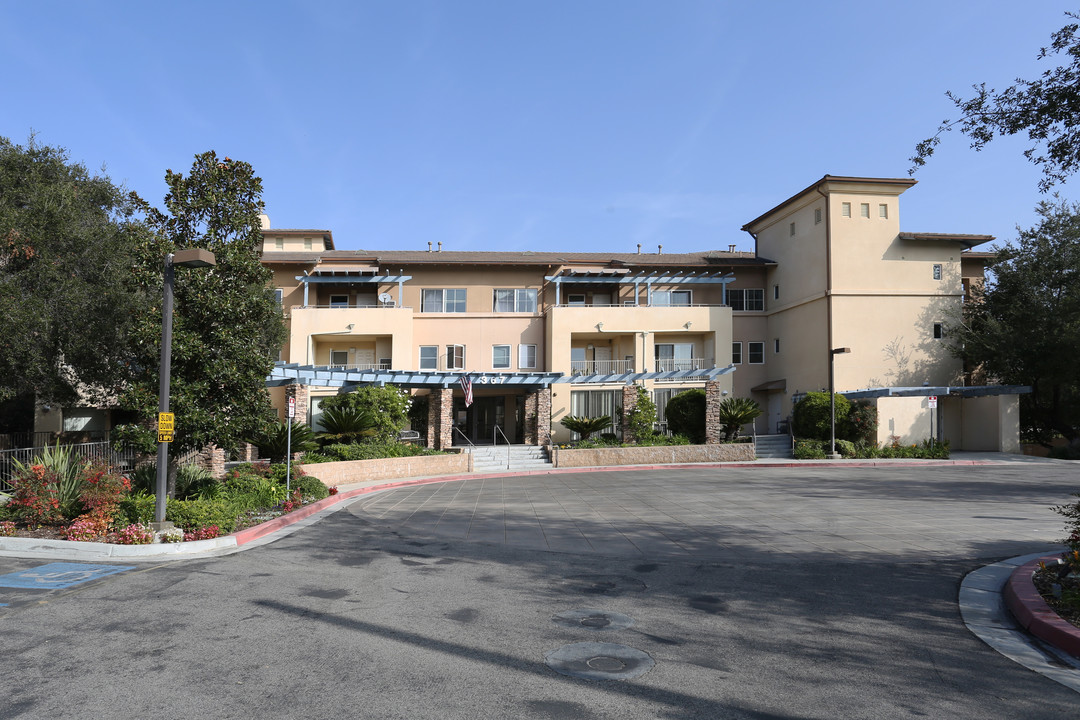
column 1032, row 612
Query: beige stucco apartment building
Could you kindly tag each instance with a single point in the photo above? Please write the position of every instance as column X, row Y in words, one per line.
column 545, row 334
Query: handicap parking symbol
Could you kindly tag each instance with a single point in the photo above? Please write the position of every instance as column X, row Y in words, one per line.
column 57, row 576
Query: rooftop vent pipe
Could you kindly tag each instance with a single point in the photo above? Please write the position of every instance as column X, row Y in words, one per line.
column 659, row 249
column 429, row 246
column 639, row 248
column 440, row 246
column 731, row 248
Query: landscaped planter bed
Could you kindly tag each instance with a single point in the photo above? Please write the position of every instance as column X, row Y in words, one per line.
column 350, row 472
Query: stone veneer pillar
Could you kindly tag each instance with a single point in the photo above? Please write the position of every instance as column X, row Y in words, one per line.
column 629, row 402
column 300, row 392
column 212, row 458
column 543, row 416
column 441, row 418
column 713, row 397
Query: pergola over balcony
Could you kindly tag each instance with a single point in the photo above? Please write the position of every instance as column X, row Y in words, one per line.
column 618, row 276
column 349, row 275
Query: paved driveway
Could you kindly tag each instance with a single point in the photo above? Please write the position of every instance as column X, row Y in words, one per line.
column 756, row 594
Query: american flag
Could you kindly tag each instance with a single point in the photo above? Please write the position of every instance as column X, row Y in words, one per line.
column 466, row 385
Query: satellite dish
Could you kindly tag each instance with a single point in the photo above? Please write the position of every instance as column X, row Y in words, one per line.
column 385, row 298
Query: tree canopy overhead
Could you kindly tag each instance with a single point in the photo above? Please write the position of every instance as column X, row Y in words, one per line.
column 1025, row 327
column 1047, row 109
column 65, row 251
column 227, row 325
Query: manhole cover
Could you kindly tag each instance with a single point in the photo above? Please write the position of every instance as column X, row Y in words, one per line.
column 608, row 585
column 599, row 661
column 592, row 619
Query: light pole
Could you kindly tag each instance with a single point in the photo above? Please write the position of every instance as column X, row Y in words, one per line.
column 195, row 257
column 833, row 352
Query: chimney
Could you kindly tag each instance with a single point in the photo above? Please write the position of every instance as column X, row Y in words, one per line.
column 429, row 246
column 659, row 249
column 639, row 248
column 440, row 246
column 731, row 248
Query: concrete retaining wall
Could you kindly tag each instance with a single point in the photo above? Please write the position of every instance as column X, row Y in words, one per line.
column 658, row 455
column 355, row 471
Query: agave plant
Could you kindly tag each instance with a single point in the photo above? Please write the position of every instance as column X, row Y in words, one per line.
column 586, row 426
column 736, row 412
column 68, row 470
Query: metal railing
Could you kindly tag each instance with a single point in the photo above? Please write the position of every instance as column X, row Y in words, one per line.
column 600, row 367
column 122, row 457
column 460, row 432
column 359, row 366
column 675, row 365
column 495, row 433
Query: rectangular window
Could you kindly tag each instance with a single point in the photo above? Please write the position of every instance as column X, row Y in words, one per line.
column 578, row 364
column 279, row 295
column 776, row 345
column 515, row 300
column 500, row 357
column 736, row 353
column 307, row 243
column 937, row 271
column 429, row 357
column 577, row 299
column 339, row 301
column 817, row 216
column 671, row 298
column 883, row 211
column 845, row 209
column 451, row 300
column 526, row 357
column 756, row 353
column 864, row 210
column 384, row 363
column 339, row 358
column 674, row 356
column 791, row 229
column 746, row 298
column 279, row 243
column 597, row 403
column 455, row 357
column 939, row 331
column 775, row 292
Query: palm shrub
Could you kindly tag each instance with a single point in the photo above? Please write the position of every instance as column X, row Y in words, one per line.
column 388, row 406
column 736, row 412
column 346, row 425
column 586, row 426
column 273, row 441
column 686, row 415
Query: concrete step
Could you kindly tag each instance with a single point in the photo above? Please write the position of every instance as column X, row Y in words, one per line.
column 773, row 446
column 522, row 457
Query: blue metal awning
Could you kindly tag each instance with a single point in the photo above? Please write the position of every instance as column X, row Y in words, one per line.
column 350, row 279
column 940, row 391
column 620, row 277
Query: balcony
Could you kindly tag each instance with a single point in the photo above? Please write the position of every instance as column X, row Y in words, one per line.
column 600, row 367
column 679, row 364
column 360, row 366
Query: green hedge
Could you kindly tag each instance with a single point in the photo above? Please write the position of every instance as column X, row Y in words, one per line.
column 367, row 451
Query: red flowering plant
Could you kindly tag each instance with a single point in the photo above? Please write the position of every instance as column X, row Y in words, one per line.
column 34, row 497
column 102, row 491
column 333, row 490
column 204, row 533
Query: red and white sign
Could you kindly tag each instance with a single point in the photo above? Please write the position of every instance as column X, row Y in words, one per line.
column 933, row 401
column 292, row 408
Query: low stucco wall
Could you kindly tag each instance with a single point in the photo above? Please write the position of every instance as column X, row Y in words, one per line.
column 356, row 471
column 659, row 455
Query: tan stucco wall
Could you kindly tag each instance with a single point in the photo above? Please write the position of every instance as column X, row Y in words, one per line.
column 356, row 471
column 991, row 424
column 599, row 457
column 907, row 418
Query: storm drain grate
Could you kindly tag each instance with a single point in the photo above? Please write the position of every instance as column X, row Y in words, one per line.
column 592, row 619
column 599, row 661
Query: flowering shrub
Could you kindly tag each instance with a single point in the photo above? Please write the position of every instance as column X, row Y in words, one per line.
column 7, row 528
column 135, row 534
column 172, row 535
column 87, row 528
column 206, row 533
column 333, row 490
column 295, row 501
column 34, row 497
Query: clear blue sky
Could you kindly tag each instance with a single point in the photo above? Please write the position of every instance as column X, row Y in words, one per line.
column 516, row 124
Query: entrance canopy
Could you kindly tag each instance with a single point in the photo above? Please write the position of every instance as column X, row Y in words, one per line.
column 326, row 376
column 941, row 390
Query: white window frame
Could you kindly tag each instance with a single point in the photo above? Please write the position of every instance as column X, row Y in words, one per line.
column 742, row 294
column 760, row 347
column 575, row 299
column 864, row 210
column 527, row 357
column 522, row 300
column 455, row 357
column 440, row 300
column 279, row 295
column 432, row 362
column 495, row 365
column 665, row 298
column 736, row 353
column 883, row 211
column 845, row 209
column 307, row 244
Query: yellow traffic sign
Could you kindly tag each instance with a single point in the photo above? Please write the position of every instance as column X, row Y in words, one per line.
column 164, row 437
column 166, row 423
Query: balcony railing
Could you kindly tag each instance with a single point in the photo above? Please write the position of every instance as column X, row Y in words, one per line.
column 359, row 366
column 675, row 365
column 600, row 367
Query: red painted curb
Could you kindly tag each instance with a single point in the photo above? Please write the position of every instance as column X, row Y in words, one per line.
column 1032, row 612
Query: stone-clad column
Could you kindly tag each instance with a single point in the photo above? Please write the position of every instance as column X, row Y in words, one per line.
column 441, row 418
column 543, row 416
column 300, row 392
column 629, row 402
column 531, row 419
column 713, row 397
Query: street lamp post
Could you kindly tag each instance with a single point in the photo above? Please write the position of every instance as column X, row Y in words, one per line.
column 833, row 352
column 184, row 258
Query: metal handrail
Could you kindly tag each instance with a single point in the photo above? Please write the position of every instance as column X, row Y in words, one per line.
column 462, row 434
column 495, row 441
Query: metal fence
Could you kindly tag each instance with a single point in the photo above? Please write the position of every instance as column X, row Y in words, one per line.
column 121, row 456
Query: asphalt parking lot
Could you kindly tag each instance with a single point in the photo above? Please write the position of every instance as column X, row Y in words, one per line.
column 756, row 593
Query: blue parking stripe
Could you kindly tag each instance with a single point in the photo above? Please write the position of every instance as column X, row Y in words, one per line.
column 56, row 576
